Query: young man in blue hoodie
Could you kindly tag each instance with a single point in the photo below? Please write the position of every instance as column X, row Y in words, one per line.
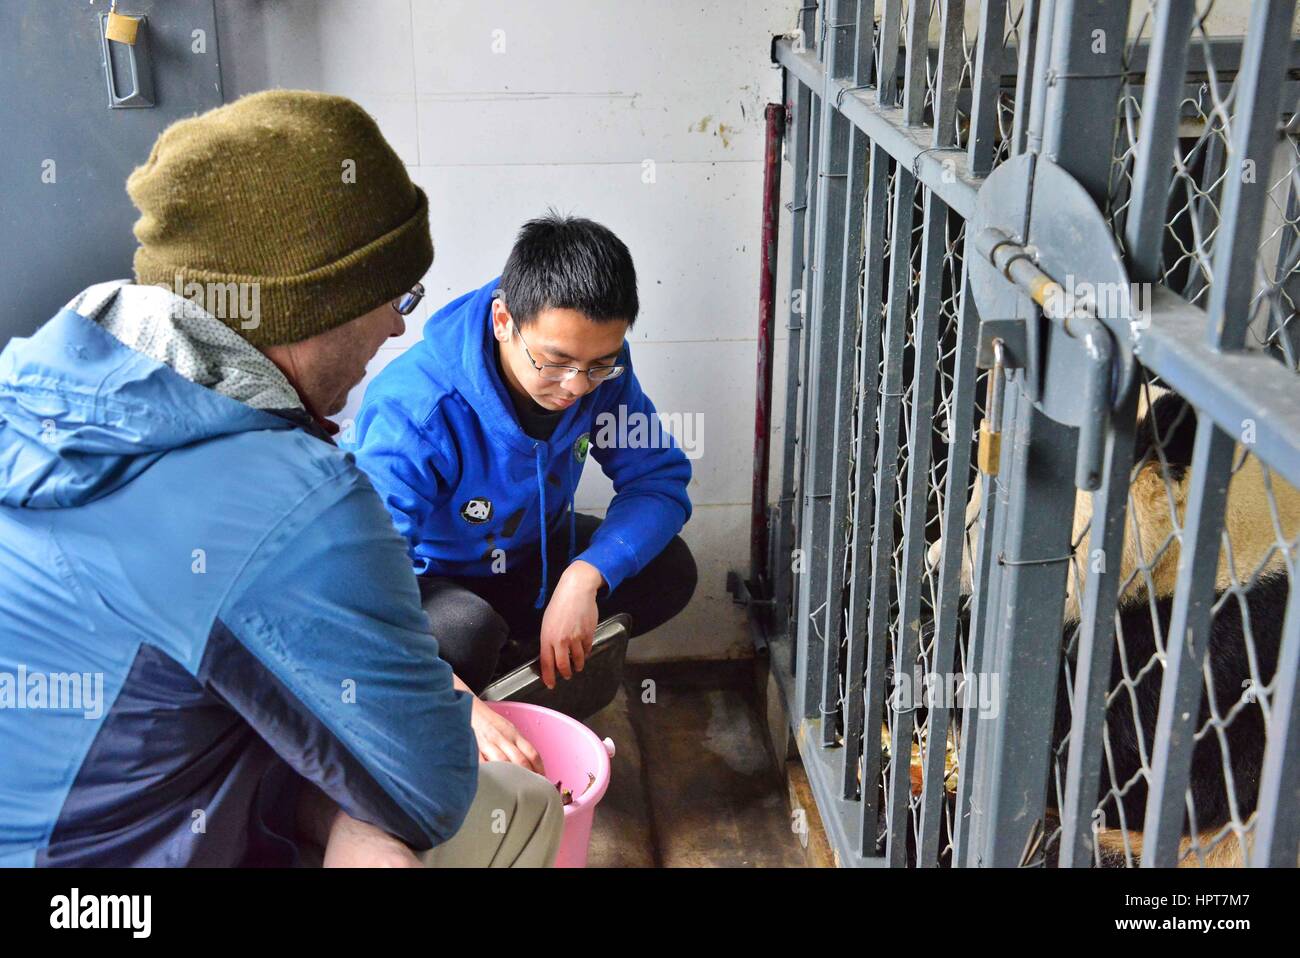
column 475, row 439
column 212, row 650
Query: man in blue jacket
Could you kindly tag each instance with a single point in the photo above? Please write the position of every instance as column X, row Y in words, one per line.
column 212, row 650
column 475, row 438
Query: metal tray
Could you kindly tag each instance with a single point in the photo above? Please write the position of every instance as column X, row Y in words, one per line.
column 588, row 691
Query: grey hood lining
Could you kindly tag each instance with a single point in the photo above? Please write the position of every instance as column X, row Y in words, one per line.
column 176, row 332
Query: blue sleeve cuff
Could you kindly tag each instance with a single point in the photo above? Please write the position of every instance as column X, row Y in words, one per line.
column 613, row 558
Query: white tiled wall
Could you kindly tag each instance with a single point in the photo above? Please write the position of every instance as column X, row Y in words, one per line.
column 502, row 108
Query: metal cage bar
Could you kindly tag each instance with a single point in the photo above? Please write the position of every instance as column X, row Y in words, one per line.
column 907, row 638
column 864, row 459
column 1144, row 230
column 916, row 62
column 1277, row 835
column 827, row 321
column 1153, row 168
column 953, row 534
column 887, row 53
column 984, row 99
column 886, row 473
column 1033, row 565
column 951, row 64
column 1025, row 73
column 807, row 658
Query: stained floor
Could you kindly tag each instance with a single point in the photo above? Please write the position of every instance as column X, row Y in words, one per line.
column 693, row 781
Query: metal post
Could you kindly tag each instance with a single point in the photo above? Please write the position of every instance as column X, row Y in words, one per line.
column 798, row 115
column 908, row 635
column 1078, row 121
column 988, row 74
column 758, row 530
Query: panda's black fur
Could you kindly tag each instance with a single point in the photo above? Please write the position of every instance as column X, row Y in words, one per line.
column 1171, row 425
column 1229, row 668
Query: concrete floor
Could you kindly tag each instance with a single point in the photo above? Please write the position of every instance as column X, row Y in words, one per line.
column 693, row 782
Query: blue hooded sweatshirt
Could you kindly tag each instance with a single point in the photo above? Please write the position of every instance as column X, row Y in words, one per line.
column 202, row 606
column 438, row 435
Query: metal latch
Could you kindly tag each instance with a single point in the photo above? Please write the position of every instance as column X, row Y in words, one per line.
column 1049, row 282
column 1098, row 386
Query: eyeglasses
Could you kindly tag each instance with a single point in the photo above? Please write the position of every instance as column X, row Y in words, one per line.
column 555, row 373
column 406, row 303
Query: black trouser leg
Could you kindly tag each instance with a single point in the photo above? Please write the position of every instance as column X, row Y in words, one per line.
column 473, row 617
column 470, row 633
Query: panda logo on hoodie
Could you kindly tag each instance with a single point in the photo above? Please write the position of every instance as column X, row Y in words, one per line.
column 477, row 511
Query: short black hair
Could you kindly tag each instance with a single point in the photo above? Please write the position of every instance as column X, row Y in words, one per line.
column 567, row 262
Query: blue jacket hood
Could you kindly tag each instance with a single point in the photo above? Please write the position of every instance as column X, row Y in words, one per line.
column 464, row 328
column 80, row 416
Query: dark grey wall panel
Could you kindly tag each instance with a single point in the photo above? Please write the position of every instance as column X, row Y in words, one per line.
column 245, row 45
column 57, row 238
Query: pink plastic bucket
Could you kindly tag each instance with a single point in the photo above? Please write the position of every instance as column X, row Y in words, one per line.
column 571, row 752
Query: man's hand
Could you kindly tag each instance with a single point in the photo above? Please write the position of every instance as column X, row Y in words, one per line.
column 500, row 741
column 569, row 624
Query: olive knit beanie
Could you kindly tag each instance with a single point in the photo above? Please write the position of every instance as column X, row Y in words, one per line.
column 295, row 194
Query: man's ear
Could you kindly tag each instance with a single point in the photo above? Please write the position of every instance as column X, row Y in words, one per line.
column 500, row 321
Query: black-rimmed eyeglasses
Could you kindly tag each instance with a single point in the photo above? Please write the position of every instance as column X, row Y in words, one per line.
column 556, row 373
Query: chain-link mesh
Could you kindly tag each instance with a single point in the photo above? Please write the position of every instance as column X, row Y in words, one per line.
column 1201, row 169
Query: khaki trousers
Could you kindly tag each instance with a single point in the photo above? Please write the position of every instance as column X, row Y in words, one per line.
column 515, row 821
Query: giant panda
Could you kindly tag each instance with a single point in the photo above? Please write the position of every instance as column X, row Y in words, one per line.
column 1149, row 567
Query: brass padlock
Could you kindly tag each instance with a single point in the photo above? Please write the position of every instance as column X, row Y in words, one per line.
column 989, row 451
column 122, row 28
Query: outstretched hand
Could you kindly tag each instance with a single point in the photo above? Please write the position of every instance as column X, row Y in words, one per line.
column 569, row 623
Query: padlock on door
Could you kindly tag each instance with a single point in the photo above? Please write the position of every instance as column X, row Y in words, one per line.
column 128, row 68
column 989, row 451
column 121, row 28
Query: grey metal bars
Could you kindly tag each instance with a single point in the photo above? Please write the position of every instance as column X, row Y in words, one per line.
column 861, row 455
column 822, row 476
column 988, row 69
column 1254, row 128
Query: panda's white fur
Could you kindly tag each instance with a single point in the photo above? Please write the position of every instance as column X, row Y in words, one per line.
column 1262, row 510
column 1150, row 544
